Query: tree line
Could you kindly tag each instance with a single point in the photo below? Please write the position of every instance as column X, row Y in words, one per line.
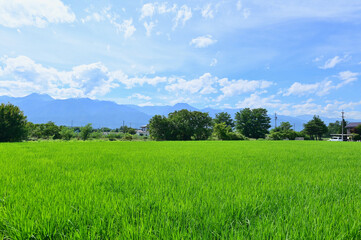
column 14, row 127
column 179, row 125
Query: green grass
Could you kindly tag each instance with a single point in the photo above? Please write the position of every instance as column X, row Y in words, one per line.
column 180, row 190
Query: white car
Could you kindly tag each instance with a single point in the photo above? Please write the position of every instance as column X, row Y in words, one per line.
column 335, row 139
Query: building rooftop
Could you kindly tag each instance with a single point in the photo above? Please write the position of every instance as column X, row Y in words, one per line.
column 353, row 124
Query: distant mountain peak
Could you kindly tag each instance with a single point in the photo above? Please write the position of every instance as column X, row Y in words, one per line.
column 182, row 105
column 37, row 96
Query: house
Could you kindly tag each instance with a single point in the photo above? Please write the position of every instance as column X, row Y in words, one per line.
column 143, row 131
column 351, row 127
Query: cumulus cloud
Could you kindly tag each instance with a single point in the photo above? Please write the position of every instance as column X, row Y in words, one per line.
column 321, row 88
column 256, row 101
column 237, row 87
column 183, row 15
column 21, row 76
column 203, row 41
column 147, row 10
column 201, row 85
column 38, row 13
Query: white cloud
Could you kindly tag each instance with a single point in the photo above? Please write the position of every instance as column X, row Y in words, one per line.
column 332, row 62
column 321, row 88
column 140, row 96
column 207, row 11
column 97, row 16
column 203, row 41
column 237, row 87
column 149, row 27
column 18, row 13
column 24, row 76
column 147, row 10
column 140, row 81
column 201, row 85
column 332, row 109
column 84, row 80
column 347, row 77
column 183, row 15
column 256, row 101
column 163, row 8
column 213, row 62
column 126, row 27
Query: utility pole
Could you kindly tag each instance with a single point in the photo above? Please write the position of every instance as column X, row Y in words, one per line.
column 343, row 117
column 275, row 120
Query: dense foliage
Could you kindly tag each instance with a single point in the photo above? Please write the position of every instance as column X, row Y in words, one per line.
column 224, row 117
column 315, row 128
column 12, row 123
column 253, row 123
column 181, row 125
column 284, row 131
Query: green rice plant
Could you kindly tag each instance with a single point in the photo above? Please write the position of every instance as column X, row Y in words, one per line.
column 180, row 190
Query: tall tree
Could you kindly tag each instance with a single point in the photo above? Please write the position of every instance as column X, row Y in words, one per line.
column 224, row 117
column 12, row 123
column 315, row 128
column 160, row 128
column 253, row 123
column 86, row 131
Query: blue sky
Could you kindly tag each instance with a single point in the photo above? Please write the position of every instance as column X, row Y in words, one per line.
column 292, row 57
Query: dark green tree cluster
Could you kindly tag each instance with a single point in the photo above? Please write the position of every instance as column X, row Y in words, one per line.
column 315, row 128
column 12, row 123
column 253, row 123
column 47, row 130
column 181, row 125
column 284, row 131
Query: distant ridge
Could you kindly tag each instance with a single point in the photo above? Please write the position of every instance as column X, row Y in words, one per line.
column 41, row 108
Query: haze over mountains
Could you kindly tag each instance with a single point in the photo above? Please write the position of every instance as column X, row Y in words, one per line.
column 41, row 108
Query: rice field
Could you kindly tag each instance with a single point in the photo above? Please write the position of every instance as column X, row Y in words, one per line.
column 180, row 190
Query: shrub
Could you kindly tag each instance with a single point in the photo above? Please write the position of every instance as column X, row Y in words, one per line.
column 356, row 137
column 127, row 137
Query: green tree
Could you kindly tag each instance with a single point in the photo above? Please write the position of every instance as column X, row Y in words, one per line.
column 51, row 130
column 181, row 125
column 224, row 117
column 187, row 125
column 160, row 128
column 221, row 131
column 315, row 128
column 66, row 133
column 253, row 123
column 86, row 131
column 333, row 128
column 12, row 123
column 126, row 129
column 284, row 131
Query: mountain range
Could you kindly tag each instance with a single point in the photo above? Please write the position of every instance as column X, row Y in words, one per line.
column 41, row 108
